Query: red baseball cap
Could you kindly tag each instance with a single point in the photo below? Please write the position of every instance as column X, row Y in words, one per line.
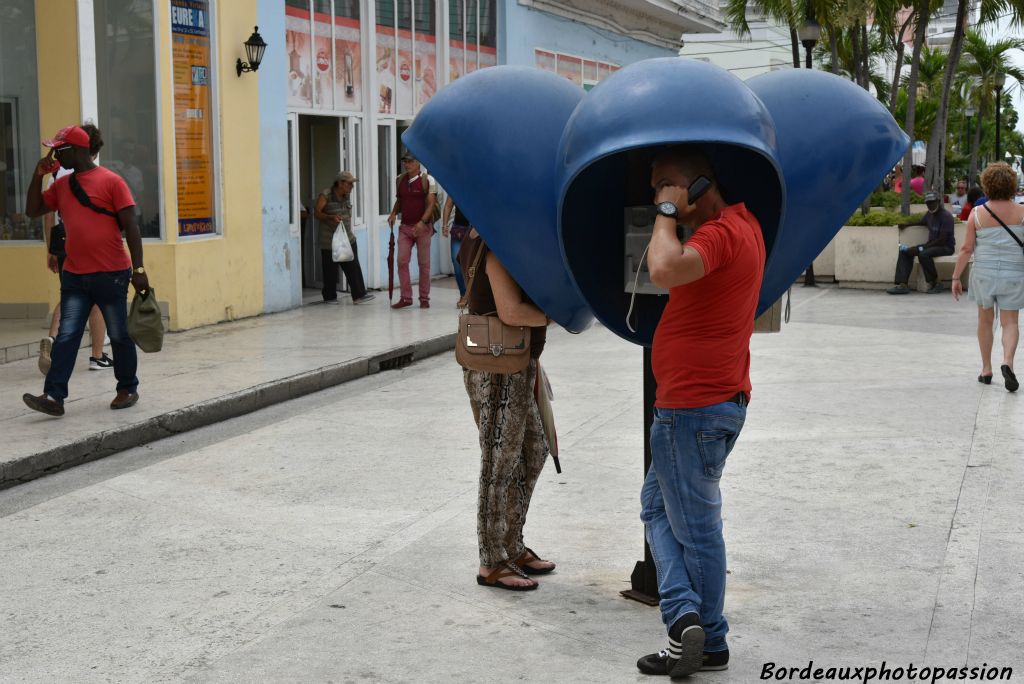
column 72, row 135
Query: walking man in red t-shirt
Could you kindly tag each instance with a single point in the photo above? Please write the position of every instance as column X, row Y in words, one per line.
column 417, row 197
column 96, row 207
column 701, row 361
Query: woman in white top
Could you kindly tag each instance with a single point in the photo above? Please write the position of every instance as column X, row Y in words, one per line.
column 997, row 277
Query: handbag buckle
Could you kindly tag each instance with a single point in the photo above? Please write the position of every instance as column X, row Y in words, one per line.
column 497, row 349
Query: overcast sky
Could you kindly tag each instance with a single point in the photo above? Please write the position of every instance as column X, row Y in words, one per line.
column 1001, row 29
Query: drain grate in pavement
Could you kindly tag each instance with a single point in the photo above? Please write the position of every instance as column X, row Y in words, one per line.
column 395, row 362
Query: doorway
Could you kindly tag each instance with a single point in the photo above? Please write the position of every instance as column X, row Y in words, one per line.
column 321, row 151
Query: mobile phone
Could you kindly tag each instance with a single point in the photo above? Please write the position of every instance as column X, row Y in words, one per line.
column 697, row 188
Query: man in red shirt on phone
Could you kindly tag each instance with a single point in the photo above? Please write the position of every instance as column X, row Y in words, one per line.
column 701, row 361
column 97, row 208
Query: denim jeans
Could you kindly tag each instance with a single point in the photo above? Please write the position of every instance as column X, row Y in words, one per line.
column 78, row 294
column 459, row 280
column 682, row 512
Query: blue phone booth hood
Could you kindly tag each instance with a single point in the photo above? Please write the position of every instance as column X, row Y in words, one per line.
column 541, row 169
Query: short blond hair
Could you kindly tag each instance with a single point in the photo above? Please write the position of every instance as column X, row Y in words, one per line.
column 999, row 181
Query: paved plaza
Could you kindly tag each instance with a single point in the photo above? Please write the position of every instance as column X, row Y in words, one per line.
column 872, row 513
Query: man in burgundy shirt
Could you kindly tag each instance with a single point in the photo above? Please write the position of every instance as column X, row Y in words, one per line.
column 97, row 268
column 417, row 197
column 701, row 359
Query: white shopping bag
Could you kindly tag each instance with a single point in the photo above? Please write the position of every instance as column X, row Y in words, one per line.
column 341, row 248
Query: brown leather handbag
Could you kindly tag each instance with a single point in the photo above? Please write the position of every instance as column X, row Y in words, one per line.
column 486, row 344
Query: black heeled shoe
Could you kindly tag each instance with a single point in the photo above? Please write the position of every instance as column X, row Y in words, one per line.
column 985, row 379
column 1009, row 379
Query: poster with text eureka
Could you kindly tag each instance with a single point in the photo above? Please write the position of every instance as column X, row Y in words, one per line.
column 193, row 121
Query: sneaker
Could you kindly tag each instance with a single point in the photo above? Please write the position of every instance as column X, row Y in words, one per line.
column 101, row 363
column 657, row 663
column 424, row 305
column 365, row 298
column 45, row 347
column 44, row 404
column 124, row 399
column 401, row 304
column 899, row 289
column 936, row 288
column 331, row 301
column 685, row 646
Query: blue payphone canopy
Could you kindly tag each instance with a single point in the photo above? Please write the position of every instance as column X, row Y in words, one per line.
column 545, row 173
column 490, row 140
column 605, row 165
column 835, row 143
column 801, row 148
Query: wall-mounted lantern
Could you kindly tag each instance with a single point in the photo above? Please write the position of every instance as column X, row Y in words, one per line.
column 254, row 48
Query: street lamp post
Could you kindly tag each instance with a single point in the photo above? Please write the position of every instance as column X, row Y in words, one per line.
column 1000, row 81
column 969, row 112
column 809, row 35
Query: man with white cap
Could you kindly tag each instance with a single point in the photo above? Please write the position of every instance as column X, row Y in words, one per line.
column 97, row 207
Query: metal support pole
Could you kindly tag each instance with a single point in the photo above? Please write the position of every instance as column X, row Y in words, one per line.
column 999, row 96
column 644, row 580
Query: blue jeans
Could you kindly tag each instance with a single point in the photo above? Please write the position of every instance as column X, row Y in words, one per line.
column 459, row 280
column 682, row 512
column 78, row 294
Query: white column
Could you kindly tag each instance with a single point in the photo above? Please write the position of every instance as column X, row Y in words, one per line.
column 87, row 62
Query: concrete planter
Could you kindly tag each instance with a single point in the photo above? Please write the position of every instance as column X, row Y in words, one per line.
column 865, row 256
column 825, row 263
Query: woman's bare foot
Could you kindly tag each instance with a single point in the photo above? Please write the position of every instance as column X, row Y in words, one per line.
column 511, row 580
column 528, row 560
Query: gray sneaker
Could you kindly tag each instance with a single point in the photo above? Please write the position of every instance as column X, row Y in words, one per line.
column 365, row 298
column 899, row 289
column 936, row 288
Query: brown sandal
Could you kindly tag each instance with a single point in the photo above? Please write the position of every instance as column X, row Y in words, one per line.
column 505, row 569
column 529, row 556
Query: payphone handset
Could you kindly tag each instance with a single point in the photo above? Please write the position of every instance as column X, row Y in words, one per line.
column 639, row 227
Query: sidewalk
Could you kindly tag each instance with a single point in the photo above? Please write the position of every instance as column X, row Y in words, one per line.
column 872, row 516
column 209, row 374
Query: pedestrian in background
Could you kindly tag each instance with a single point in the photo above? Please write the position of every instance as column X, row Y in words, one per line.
column 995, row 237
column 458, row 229
column 512, row 442
column 701, row 361
column 53, row 230
column 941, row 242
column 97, row 207
column 333, row 208
column 974, row 196
column 417, row 197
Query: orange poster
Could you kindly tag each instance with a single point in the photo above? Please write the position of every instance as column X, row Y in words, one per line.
column 193, row 116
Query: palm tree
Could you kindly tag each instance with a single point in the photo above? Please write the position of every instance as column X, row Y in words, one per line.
column 990, row 10
column 922, row 9
column 984, row 61
column 783, row 12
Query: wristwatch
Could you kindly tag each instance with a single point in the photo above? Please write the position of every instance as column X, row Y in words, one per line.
column 140, row 269
column 668, row 209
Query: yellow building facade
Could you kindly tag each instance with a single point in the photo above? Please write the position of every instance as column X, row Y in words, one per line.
column 202, row 278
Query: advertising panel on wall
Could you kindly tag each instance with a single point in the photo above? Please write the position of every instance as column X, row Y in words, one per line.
column 193, row 116
column 349, row 63
column 386, row 59
column 403, row 93
column 426, row 67
column 323, row 86
column 297, row 47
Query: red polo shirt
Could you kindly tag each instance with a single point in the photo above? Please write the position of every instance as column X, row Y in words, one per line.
column 94, row 243
column 701, row 352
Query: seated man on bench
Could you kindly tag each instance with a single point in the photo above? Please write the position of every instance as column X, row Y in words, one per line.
column 941, row 242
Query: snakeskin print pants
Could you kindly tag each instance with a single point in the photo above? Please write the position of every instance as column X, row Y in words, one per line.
column 512, row 453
